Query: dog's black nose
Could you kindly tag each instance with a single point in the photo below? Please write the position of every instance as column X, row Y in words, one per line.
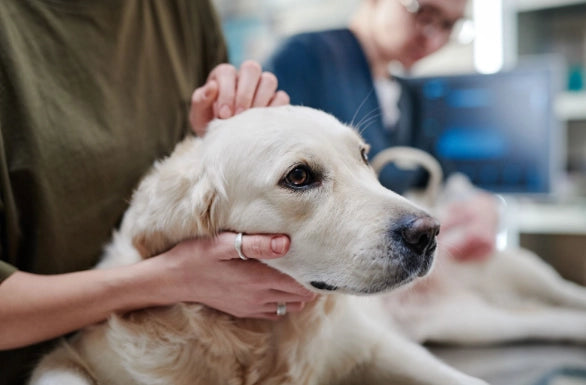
column 419, row 234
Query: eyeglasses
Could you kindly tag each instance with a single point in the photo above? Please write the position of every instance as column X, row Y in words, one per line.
column 430, row 21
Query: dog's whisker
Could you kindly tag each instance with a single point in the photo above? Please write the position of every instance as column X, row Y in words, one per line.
column 368, row 119
column 367, row 116
column 361, row 105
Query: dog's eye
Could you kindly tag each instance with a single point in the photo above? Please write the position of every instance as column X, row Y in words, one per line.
column 364, row 154
column 299, row 177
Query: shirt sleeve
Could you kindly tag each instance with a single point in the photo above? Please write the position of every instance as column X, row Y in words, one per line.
column 6, row 270
column 8, row 225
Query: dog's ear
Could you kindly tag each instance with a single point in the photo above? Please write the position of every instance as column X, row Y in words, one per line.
column 178, row 200
column 179, row 211
column 179, row 224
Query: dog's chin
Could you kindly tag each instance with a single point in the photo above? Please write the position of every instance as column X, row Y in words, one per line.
column 405, row 274
column 372, row 288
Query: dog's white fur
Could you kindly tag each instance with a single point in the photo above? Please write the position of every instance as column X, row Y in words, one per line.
column 341, row 230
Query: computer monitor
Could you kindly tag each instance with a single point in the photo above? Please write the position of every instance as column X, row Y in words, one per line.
column 498, row 129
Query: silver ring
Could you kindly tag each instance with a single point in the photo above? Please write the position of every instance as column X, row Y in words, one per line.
column 281, row 309
column 238, row 246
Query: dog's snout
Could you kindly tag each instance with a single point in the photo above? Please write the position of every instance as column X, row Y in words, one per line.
column 419, row 234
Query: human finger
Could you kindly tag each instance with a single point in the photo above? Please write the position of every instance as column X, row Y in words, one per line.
column 252, row 246
column 249, row 77
column 226, row 76
column 201, row 111
column 271, row 313
column 278, row 296
column 264, row 247
column 261, row 246
column 267, row 86
column 286, row 289
column 289, row 307
column 281, row 98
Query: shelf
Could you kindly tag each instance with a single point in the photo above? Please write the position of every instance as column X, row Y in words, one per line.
column 535, row 5
column 534, row 218
column 571, row 106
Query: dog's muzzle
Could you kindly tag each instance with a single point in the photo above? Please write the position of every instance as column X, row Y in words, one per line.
column 419, row 235
column 408, row 252
column 417, row 238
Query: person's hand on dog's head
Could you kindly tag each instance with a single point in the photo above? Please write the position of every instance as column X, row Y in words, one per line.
column 210, row 271
column 229, row 91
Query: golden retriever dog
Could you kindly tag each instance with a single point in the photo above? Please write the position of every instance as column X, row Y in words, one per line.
column 349, row 237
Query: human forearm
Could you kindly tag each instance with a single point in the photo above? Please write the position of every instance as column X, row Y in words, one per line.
column 34, row 307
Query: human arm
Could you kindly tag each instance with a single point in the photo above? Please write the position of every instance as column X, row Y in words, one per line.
column 209, row 271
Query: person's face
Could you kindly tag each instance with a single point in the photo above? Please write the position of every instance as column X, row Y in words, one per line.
column 408, row 36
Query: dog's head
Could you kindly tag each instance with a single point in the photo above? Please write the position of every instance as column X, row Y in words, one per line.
column 290, row 170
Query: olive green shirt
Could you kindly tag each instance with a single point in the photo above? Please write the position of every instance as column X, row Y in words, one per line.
column 91, row 93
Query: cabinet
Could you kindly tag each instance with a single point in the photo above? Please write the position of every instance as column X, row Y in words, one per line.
column 556, row 28
column 556, row 231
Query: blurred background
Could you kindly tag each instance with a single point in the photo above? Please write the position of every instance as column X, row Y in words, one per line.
column 526, row 61
column 519, row 68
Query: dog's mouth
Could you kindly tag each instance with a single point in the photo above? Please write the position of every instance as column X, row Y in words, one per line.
column 420, row 265
column 409, row 268
column 320, row 285
column 372, row 289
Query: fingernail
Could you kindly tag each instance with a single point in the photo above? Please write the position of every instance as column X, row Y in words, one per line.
column 225, row 112
column 278, row 245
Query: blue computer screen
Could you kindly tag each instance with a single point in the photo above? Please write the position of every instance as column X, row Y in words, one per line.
column 497, row 129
